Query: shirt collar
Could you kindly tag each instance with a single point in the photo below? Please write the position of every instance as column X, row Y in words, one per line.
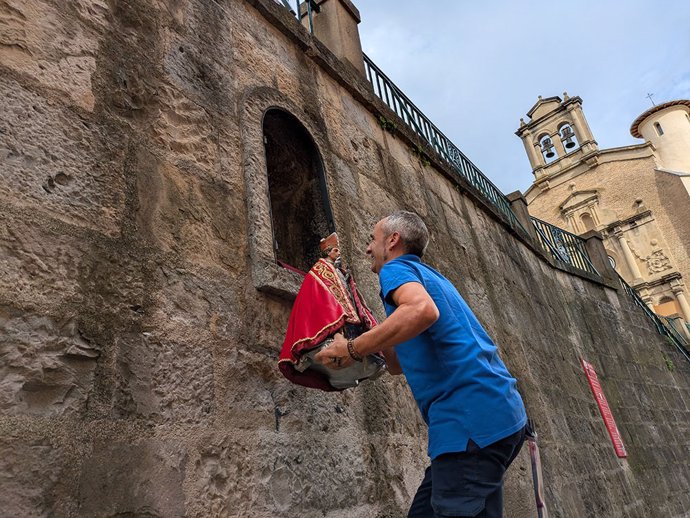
column 409, row 257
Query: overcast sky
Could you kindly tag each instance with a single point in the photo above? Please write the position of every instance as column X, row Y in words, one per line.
column 475, row 68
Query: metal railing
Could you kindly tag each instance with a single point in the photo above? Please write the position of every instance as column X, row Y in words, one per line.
column 563, row 246
column 676, row 326
column 662, row 325
column 413, row 117
column 309, row 7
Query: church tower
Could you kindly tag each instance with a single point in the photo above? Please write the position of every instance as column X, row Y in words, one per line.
column 557, row 136
column 667, row 127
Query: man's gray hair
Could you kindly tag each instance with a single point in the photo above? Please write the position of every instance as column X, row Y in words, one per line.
column 413, row 232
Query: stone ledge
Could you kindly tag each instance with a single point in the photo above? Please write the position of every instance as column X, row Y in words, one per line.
column 269, row 277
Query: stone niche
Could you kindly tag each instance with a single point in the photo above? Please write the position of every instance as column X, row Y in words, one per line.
column 287, row 189
column 300, row 210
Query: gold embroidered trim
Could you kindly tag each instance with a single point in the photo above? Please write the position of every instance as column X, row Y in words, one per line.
column 326, row 272
column 310, row 338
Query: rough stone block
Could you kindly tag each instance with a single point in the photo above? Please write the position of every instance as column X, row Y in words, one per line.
column 193, row 218
column 139, row 478
column 57, row 163
column 48, row 46
column 30, row 471
column 48, row 365
column 163, row 382
column 39, row 267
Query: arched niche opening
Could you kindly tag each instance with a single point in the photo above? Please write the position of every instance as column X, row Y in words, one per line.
column 587, row 221
column 300, row 209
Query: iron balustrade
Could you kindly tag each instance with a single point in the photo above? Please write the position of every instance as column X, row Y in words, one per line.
column 663, row 325
column 413, row 117
column 677, row 327
column 309, row 9
column 563, row 246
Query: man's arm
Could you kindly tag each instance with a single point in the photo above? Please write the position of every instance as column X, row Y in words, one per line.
column 415, row 312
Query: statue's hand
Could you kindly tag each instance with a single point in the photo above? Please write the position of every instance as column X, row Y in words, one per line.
column 335, row 356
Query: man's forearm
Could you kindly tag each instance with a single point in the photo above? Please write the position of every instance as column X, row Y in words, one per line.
column 406, row 322
column 415, row 312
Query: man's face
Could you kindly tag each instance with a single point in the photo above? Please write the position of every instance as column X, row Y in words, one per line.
column 377, row 252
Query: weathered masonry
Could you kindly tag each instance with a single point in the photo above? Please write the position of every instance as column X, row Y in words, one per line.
column 144, row 148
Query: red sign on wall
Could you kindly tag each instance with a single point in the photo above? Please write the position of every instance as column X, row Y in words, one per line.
column 604, row 409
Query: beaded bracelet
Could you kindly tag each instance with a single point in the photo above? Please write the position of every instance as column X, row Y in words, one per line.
column 351, row 350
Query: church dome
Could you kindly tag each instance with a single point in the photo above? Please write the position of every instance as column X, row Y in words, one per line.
column 667, row 128
column 635, row 128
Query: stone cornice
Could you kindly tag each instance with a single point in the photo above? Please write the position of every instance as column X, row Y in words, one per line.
column 666, row 279
column 611, row 227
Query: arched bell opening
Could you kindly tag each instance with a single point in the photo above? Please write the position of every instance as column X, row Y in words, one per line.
column 548, row 150
column 568, row 138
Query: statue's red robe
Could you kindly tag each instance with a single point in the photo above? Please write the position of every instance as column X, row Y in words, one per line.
column 321, row 309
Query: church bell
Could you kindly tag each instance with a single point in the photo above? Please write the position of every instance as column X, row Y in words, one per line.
column 547, row 148
column 568, row 137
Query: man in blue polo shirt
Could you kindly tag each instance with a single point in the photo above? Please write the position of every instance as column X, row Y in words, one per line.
column 464, row 392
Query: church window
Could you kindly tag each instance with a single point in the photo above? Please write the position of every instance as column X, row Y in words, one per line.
column 568, row 138
column 300, row 210
column 612, row 262
column 587, row 221
column 548, row 150
column 658, row 128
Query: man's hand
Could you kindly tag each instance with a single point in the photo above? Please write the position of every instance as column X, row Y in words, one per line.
column 335, row 356
column 414, row 314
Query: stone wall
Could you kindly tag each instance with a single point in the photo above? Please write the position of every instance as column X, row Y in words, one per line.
column 138, row 373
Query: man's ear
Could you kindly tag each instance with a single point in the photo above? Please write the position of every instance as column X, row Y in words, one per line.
column 394, row 240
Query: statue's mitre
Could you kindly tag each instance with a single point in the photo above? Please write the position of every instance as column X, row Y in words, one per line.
column 329, row 242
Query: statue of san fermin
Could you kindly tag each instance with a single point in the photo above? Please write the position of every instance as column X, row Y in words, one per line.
column 327, row 303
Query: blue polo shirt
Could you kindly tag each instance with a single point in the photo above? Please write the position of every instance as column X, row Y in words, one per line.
column 461, row 386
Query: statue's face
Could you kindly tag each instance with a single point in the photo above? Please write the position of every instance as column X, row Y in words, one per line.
column 334, row 253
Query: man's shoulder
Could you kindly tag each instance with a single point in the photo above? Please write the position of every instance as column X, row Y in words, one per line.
column 399, row 265
column 397, row 272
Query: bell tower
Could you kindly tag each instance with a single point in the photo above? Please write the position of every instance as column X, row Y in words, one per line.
column 557, row 135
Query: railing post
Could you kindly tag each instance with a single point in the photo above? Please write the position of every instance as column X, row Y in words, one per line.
column 335, row 24
column 594, row 244
column 518, row 205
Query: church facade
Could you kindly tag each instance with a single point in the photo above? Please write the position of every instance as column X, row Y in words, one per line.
column 635, row 196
